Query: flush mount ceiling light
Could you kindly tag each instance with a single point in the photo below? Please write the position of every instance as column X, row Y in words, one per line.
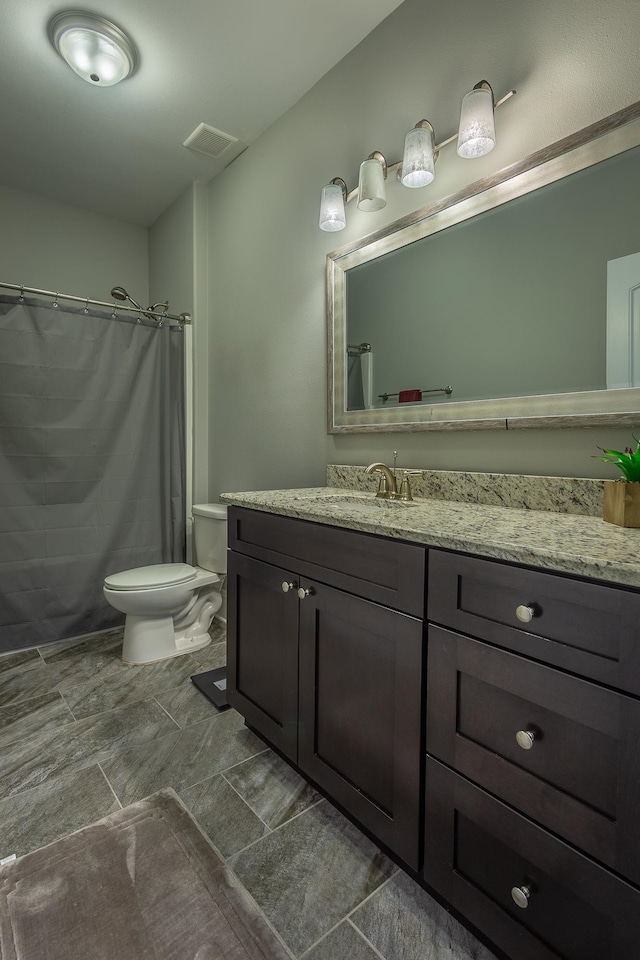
column 476, row 136
column 95, row 48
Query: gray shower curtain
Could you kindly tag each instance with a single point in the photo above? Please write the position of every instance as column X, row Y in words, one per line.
column 91, row 463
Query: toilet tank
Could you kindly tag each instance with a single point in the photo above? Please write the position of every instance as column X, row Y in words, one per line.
column 210, row 535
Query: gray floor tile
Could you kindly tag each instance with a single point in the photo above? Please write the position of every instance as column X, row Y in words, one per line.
column 27, row 718
column 310, row 873
column 343, row 943
column 215, row 655
column 182, row 759
column 22, row 658
column 115, row 683
column 218, row 631
column 53, row 810
column 80, row 744
column 223, row 815
column 81, row 646
column 271, row 788
column 186, row 704
column 404, row 923
column 33, row 679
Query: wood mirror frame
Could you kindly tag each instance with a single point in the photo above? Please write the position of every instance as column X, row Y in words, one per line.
column 607, row 138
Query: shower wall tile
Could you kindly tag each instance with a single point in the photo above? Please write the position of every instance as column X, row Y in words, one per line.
column 404, row 923
column 223, row 815
column 54, row 751
column 310, row 873
column 271, row 788
column 53, row 810
column 182, row 759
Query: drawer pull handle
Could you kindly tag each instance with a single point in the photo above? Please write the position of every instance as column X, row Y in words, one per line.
column 521, row 896
column 525, row 738
column 304, row 592
column 286, row 586
column 525, row 614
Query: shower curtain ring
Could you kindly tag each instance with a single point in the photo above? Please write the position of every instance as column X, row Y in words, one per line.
column 55, row 302
column 21, row 297
column 113, row 314
column 86, row 306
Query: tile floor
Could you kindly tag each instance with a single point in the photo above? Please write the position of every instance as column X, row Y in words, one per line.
column 81, row 735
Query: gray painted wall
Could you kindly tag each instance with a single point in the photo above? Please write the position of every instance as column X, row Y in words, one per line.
column 54, row 246
column 572, row 64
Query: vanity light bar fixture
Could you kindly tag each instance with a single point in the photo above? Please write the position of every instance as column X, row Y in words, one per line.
column 476, row 137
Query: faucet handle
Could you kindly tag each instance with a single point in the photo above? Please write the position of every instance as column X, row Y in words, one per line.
column 405, row 486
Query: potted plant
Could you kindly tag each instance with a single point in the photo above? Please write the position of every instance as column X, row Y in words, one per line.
column 622, row 496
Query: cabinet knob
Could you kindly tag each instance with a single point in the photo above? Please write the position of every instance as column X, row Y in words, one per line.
column 525, row 614
column 304, row 592
column 521, row 896
column 286, row 586
column 525, row 738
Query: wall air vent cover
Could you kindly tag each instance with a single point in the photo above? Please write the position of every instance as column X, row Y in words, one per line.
column 208, row 140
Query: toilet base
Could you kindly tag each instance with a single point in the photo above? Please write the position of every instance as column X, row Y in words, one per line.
column 149, row 640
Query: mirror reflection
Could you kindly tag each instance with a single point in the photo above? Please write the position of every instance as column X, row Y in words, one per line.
column 511, row 303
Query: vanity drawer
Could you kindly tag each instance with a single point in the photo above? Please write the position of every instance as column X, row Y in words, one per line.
column 477, row 850
column 386, row 571
column 586, row 628
column 578, row 776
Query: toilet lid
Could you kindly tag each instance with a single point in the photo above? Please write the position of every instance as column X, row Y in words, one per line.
column 157, row 575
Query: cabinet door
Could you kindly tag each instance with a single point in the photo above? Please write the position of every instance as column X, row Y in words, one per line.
column 360, row 712
column 262, row 671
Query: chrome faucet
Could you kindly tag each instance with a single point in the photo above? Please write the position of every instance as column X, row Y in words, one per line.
column 387, row 486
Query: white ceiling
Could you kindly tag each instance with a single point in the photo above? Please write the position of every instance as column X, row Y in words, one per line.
column 236, row 65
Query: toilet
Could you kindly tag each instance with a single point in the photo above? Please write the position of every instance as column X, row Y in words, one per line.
column 169, row 606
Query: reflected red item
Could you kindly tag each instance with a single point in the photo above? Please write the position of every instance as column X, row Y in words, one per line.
column 407, row 396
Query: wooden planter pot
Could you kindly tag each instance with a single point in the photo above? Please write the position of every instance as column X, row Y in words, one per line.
column 621, row 503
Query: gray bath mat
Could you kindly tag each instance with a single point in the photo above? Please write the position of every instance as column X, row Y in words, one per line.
column 142, row 884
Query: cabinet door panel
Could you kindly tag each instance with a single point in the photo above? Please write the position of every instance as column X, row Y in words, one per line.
column 360, row 711
column 586, row 628
column 478, row 850
column 579, row 778
column 263, row 655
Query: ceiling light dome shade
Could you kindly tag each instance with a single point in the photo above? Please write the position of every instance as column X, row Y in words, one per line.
column 95, row 48
column 371, row 192
column 418, row 162
column 477, row 131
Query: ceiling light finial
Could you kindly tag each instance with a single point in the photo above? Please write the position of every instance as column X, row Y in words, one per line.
column 95, row 48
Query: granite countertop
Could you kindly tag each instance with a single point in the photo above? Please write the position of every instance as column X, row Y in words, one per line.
column 582, row 545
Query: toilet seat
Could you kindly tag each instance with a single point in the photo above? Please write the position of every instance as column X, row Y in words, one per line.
column 152, row 577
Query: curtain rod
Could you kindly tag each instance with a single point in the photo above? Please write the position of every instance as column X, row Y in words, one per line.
column 20, row 287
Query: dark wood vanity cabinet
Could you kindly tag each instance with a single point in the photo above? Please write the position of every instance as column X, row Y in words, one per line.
column 326, row 662
column 532, row 785
column 495, row 750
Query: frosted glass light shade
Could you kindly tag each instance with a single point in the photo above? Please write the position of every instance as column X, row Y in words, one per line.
column 418, row 168
column 477, row 132
column 371, row 191
column 96, row 49
column 332, row 215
